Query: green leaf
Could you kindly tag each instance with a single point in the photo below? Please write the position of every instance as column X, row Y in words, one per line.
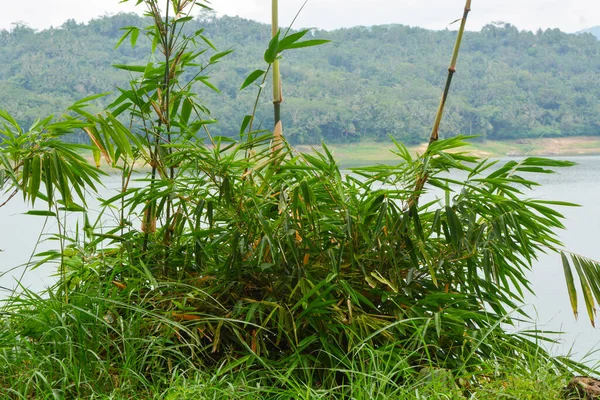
column 587, row 292
column 252, row 78
column 184, row 19
column 6, row 116
column 135, row 33
column 186, row 110
column 205, row 81
column 25, row 176
column 438, row 323
column 207, row 41
column 120, row 138
column 273, row 49
column 293, row 38
column 570, row 283
column 245, row 124
column 132, row 68
column 155, row 41
column 97, row 156
column 119, row 110
column 73, row 208
column 308, row 43
column 41, row 213
column 217, row 56
column 90, row 98
column 36, row 177
column 202, row 5
column 122, row 39
column 547, row 162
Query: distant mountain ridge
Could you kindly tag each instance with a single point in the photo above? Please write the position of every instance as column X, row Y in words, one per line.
column 367, row 84
column 594, row 31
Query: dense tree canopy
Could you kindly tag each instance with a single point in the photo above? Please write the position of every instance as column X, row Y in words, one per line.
column 370, row 82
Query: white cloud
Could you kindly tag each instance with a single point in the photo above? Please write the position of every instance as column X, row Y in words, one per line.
column 42, row 14
column 567, row 15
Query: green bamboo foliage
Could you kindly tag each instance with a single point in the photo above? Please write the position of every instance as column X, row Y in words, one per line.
column 39, row 164
column 164, row 109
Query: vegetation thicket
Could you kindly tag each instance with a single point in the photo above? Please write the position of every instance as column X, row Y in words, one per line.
column 370, row 83
column 240, row 268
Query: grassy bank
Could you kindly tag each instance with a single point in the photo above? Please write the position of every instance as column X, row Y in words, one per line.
column 373, row 385
column 365, row 153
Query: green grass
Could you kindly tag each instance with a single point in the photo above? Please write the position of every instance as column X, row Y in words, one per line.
column 374, row 384
column 81, row 352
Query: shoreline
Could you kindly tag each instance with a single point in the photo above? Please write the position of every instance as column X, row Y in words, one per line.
column 369, row 153
column 365, row 153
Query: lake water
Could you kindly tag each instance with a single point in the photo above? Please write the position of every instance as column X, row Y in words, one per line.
column 581, row 185
column 550, row 304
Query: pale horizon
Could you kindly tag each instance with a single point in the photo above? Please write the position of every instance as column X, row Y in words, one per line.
column 571, row 16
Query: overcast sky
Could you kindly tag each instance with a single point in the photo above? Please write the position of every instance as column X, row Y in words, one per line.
column 568, row 15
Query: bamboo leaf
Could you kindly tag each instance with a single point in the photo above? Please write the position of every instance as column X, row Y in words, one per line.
column 570, row 284
column 41, row 213
column 119, row 110
column 155, row 41
column 307, row 43
column 6, row 116
column 220, row 55
column 205, row 81
column 290, row 39
column 122, row 39
column 131, row 68
column 587, row 292
column 120, row 140
column 135, row 33
column 47, row 174
column 26, row 172
column 273, row 49
column 36, row 177
column 252, row 78
column 89, row 98
column 97, row 141
column 245, row 124
column 186, row 110
column 97, row 156
column 207, row 41
column 184, row 19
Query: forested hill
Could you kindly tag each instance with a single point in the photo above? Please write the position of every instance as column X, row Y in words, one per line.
column 367, row 84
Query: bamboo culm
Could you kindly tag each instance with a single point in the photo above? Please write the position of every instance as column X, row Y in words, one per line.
column 422, row 179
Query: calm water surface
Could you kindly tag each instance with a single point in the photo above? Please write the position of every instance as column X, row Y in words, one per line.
column 550, row 304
